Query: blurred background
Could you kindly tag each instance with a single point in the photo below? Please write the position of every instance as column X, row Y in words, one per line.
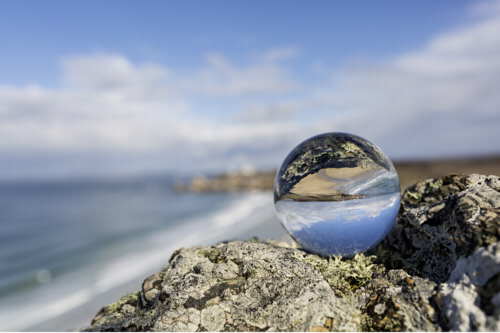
column 110, row 109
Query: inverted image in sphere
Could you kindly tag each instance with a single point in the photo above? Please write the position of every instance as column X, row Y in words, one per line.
column 337, row 194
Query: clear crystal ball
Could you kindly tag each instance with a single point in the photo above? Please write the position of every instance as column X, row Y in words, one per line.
column 337, row 194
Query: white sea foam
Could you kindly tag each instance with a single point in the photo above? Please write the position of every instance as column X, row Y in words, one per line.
column 146, row 256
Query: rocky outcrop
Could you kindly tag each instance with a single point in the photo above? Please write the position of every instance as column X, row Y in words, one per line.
column 236, row 286
column 441, row 220
column 470, row 299
column 437, row 270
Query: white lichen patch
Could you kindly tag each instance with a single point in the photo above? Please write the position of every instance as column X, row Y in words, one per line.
column 213, row 318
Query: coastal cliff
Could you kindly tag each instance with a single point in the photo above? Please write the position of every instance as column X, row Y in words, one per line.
column 437, row 270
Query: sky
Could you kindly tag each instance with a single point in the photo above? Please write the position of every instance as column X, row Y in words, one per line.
column 120, row 88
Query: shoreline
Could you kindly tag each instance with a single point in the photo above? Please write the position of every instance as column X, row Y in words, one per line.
column 409, row 172
column 73, row 303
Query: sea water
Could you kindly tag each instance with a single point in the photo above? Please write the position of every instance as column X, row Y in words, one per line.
column 67, row 248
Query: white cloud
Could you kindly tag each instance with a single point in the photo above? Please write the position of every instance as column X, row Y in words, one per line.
column 111, row 72
column 439, row 100
column 273, row 55
column 264, row 112
column 222, row 78
column 108, row 106
column 486, row 8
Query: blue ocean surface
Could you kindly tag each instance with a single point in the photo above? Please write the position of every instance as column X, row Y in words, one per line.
column 67, row 248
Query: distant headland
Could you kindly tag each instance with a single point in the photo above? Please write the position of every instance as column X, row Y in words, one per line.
column 408, row 171
column 229, row 182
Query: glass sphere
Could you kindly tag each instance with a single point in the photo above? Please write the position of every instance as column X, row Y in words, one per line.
column 337, row 194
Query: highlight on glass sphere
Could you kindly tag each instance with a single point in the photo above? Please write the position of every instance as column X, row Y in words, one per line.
column 337, row 194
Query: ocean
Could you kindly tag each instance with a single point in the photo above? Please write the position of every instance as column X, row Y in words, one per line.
column 67, row 248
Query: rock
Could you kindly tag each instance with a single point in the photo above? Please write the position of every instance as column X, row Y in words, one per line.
column 400, row 302
column 441, row 220
column 255, row 286
column 237, row 286
column 469, row 299
column 437, row 270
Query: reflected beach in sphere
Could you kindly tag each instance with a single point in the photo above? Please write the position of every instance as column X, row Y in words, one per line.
column 337, row 194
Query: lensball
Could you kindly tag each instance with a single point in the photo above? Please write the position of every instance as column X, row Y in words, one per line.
column 337, row 194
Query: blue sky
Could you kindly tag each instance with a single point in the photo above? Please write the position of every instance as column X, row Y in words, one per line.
column 129, row 87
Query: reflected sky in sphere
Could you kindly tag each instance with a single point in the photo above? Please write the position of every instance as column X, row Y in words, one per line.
column 337, row 194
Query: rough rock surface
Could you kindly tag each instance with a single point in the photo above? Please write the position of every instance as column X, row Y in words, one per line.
column 443, row 219
column 438, row 270
column 470, row 299
column 236, row 286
